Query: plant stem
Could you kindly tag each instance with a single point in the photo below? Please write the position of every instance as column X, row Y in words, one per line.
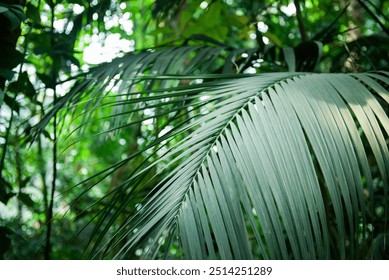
column 303, row 33
column 19, row 175
column 49, row 216
column 42, row 173
column 378, row 10
column 373, row 15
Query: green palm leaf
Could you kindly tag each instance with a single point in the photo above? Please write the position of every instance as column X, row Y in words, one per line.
column 274, row 168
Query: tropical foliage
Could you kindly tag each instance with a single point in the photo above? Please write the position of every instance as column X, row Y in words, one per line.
column 224, row 130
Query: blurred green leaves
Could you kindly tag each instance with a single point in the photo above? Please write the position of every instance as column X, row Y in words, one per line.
column 122, row 118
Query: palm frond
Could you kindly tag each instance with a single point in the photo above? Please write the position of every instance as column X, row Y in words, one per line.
column 272, row 166
column 121, row 75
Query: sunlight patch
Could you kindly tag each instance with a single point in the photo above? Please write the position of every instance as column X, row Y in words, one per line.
column 78, row 9
column 289, row 10
column 97, row 53
column 203, row 5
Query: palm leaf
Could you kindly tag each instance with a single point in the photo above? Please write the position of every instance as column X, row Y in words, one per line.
column 275, row 167
column 121, row 76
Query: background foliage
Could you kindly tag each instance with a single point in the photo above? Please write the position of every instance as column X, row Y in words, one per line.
column 64, row 167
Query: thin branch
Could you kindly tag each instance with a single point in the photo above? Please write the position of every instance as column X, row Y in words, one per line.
column 378, row 10
column 42, row 174
column 303, row 33
column 19, row 175
column 373, row 15
column 49, row 216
